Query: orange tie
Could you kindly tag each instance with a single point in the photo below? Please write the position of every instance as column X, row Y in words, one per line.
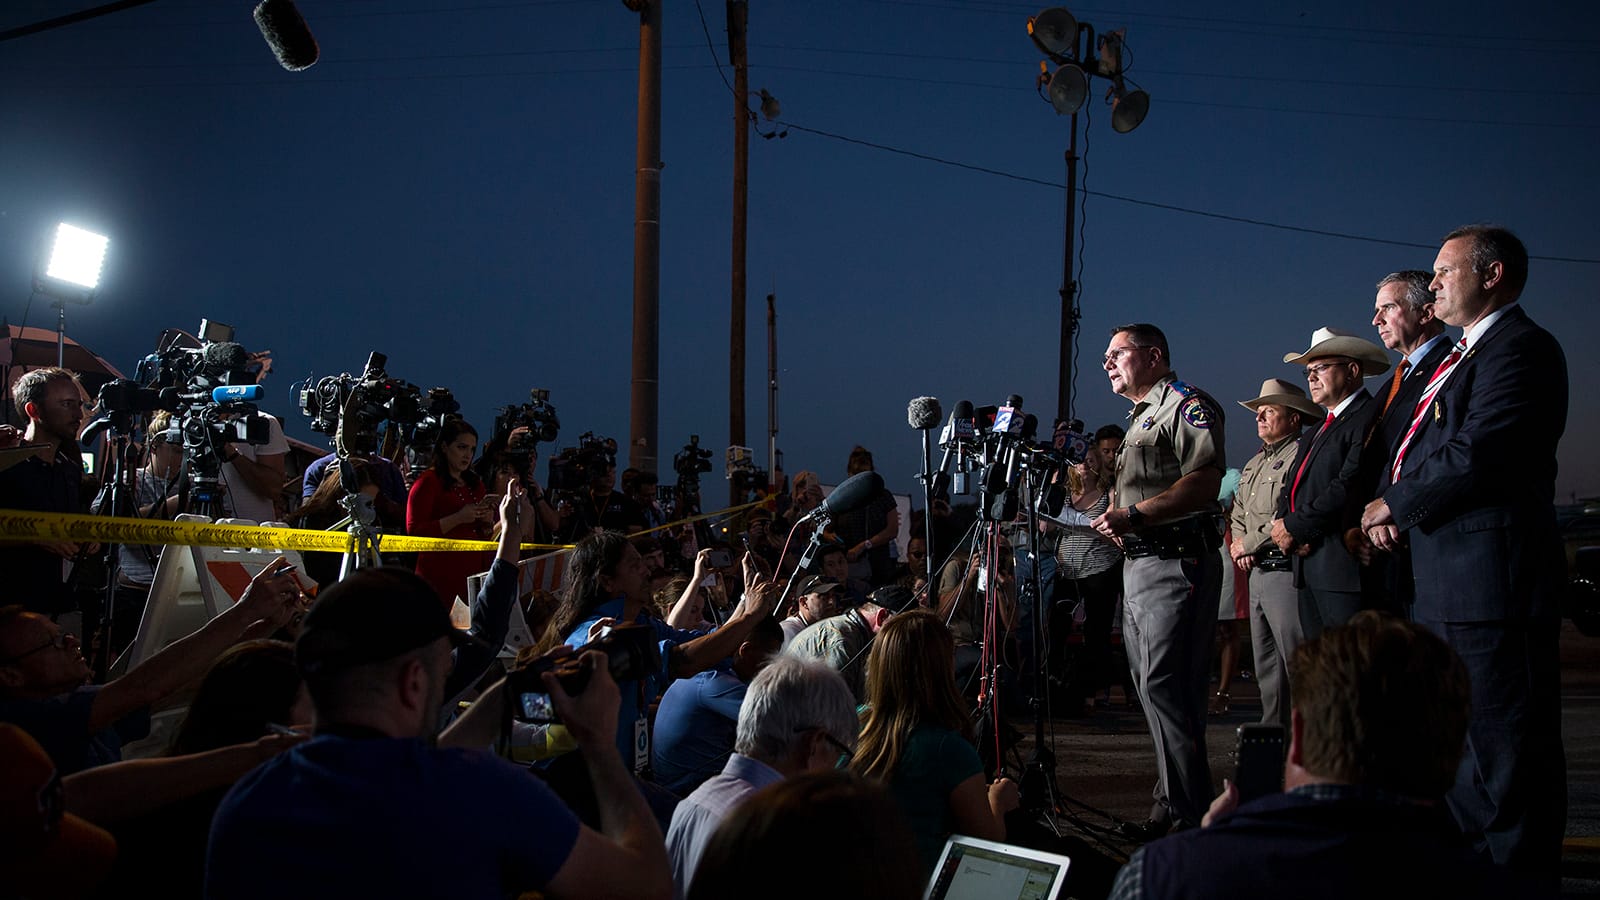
column 1394, row 385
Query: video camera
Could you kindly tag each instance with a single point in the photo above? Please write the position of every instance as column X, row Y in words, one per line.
column 537, row 415
column 749, row 480
column 353, row 406
column 574, row 468
column 631, row 653
column 691, row 461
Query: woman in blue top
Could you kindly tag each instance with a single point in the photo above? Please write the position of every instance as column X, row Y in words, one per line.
column 607, row 584
column 916, row 736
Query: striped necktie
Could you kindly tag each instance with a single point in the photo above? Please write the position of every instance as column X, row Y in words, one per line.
column 1440, row 375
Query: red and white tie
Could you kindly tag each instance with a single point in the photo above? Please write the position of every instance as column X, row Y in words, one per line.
column 1440, row 375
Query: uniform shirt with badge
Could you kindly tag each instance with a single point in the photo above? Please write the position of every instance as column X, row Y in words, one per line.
column 1175, row 430
column 1260, row 484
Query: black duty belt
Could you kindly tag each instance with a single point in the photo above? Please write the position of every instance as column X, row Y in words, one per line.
column 1273, row 560
column 1189, row 537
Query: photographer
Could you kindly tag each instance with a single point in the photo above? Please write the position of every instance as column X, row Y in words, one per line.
column 390, row 499
column 355, row 811
column 154, row 496
column 512, row 457
column 598, row 507
column 608, row 584
column 254, row 474
column 449, row 501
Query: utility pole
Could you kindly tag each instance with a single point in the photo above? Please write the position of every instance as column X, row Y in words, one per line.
column 645, row 386
column 738, row 11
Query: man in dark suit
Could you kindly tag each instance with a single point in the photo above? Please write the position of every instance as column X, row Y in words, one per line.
column 1485, row 549
column 1312, row 510
column 1403, row 315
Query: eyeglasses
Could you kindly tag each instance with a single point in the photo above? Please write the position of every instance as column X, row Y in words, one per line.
column 844, row 749
column 60, row 642
column 1115, row 354
column 1315, row 370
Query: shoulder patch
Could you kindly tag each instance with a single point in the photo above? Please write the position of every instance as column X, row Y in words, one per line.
column 1184, row 388
column 1197, row 412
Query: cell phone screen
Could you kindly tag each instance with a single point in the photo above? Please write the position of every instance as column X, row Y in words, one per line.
column 1260, row 761
column 719, row 559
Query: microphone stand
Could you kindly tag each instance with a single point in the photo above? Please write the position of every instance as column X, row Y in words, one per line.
column 806, row 557
column 927, row 478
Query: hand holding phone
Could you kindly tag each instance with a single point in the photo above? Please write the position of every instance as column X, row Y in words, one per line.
column 1260, row 761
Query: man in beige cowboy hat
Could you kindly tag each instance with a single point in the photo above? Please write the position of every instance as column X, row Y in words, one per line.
column 1311, row 510
column 1281, row 410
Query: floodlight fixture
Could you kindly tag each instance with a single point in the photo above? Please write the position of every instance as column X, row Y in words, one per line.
column 1055, row 33
column 1069, row 87
column 1128, row 108
column 73, row 270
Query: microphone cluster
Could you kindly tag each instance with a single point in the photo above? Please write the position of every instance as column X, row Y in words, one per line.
column 999, row 444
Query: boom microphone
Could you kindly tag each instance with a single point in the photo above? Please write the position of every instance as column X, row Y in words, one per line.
column 287, row 34
column 222, row 357
column 853, row 493
column 923, row 413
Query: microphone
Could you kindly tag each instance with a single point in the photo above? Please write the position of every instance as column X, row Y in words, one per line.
column 853, row 493
column 237, row 392
column 922, row 413
column 957, row 433
column 287, row 34
column 222, row 357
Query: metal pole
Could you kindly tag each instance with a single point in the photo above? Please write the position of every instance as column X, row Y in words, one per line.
column 772, row 392
column 647, row 247
column 737, row 14
column 61, row 334
column 1069, row 283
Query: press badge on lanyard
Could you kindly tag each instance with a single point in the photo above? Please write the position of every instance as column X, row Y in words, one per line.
column 641, row 738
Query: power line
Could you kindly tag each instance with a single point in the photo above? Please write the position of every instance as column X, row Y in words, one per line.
column 1243, row 220
column 1270, row 79
column 1437, row 120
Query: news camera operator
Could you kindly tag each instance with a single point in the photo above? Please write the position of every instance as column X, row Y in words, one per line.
column 513, row 457
column 155, row 495
column 448, row 500
column 608, row 584
column 590, row 502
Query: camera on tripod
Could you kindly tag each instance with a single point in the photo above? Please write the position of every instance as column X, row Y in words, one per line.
column 572, row 470
column 691, row 461
column 353, row 406
column 631, row 653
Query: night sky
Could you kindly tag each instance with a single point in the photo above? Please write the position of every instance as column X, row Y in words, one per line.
column 452, row 184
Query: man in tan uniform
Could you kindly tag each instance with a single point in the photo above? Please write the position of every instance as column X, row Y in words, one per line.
column 1164, row 511
column 1281, row 410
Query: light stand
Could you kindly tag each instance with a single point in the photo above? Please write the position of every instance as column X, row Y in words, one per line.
column 72, row 274
column 1068, row 42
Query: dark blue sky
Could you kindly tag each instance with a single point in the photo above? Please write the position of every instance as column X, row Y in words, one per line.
column 453, row 185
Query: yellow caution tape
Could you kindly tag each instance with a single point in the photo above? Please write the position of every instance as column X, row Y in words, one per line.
column 20, row 525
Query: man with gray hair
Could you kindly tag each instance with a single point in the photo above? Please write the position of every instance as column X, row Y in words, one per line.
column 1403, row 315
column 798, row 716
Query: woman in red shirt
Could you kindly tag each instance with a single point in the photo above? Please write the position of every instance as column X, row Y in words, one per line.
column 448, row 500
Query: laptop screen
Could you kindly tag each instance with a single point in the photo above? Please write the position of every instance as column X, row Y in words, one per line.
column 973, row 869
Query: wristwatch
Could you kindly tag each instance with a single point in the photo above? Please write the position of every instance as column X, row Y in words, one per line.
column 1135, row 517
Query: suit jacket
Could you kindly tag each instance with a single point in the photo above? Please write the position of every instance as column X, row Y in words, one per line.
column 1387, row 582
column 1476, row 495
column 1318, row 516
